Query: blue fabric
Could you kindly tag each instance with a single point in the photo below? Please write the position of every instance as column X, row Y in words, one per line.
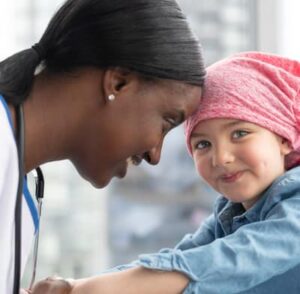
column 32, row 207
column 238, row 251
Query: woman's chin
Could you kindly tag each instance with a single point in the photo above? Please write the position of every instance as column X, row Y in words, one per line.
column 97, row 181
column 101, row 180
column 100, row 183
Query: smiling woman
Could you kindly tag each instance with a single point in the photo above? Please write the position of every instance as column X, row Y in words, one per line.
column 163, row 105
column 102, row 92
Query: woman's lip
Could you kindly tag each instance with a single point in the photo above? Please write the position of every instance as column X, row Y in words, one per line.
column 135, row 160
column 231, row 178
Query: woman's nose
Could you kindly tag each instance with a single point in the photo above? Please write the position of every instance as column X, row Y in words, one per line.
column 153, row 155
column 222, row 156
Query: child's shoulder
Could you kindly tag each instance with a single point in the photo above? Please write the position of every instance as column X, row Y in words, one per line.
column 287, row 185
column 283, row 192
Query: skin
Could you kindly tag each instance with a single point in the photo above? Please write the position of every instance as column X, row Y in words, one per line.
column 133, row 281
column 238, row 159
column 68, row 116
column 51, row 285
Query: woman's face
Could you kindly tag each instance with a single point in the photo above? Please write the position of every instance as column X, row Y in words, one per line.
column 132, row 127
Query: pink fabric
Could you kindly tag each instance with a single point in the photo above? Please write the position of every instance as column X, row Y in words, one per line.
column 256, row 87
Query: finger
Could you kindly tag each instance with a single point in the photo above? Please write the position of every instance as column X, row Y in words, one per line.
column 52, row 285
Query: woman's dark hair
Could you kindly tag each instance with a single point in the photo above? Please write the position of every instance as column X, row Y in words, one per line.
column 151, row 37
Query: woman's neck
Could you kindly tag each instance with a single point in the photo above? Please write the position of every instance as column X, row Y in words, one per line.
column 45, row 119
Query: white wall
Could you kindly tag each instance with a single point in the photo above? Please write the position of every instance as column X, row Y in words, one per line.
column 278, row 27
column 268, row 14
column 289, row 27
column 7, row 29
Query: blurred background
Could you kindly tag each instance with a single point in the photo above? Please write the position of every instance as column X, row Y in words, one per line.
column 84, row 230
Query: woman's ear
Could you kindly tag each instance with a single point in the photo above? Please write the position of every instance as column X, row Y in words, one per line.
column 286, row 146
column 115, row 80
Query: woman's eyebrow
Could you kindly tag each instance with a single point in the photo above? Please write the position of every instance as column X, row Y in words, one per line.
column 181, row 116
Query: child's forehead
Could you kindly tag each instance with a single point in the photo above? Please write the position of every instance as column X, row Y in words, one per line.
column 221, row 122
column 217, row 126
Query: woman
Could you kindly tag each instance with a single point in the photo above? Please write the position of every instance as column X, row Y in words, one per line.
column 102, row 87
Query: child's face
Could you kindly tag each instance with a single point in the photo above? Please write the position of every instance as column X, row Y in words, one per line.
column 238, row 159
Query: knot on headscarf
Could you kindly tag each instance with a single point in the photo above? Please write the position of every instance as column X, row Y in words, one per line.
column 255, row 87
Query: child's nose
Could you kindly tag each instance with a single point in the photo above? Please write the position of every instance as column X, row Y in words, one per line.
column 222, row 156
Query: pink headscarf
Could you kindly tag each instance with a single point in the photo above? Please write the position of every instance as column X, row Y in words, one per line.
column 255, row 87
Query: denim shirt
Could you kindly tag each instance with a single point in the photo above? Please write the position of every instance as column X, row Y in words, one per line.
column 238, row 251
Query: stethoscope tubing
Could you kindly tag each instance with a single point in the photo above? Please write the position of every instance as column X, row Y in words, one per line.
column 39, row 193
column 18, row 207
column 36, row 248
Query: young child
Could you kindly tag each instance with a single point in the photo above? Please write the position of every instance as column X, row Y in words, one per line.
column 244, row 139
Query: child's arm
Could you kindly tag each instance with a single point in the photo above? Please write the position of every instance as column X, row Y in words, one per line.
column 252, row 255
column 203, row 236
column 132, row 277
column 132, row 281
column 241, row 261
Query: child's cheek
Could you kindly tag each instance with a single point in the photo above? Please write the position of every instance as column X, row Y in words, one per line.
column 199, row 165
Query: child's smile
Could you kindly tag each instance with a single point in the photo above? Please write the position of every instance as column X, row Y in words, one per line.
column 231, row 177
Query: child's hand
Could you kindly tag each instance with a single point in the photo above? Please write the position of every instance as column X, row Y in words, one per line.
column 53, row 285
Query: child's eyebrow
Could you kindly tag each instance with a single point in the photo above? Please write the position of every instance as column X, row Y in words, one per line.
column 234, row 123
column 227, row 125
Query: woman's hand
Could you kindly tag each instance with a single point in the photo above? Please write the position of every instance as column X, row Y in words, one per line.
column 23, row 291
column 53, row 285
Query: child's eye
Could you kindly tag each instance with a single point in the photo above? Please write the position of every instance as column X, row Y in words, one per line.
column 202, row 145
column 239, row 134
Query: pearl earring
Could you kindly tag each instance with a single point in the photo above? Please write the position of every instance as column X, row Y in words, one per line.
column 111, row 97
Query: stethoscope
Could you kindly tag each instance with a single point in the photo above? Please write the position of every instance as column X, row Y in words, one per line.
column 39, row 193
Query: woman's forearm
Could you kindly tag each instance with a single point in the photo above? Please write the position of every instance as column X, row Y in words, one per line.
column 133, row 281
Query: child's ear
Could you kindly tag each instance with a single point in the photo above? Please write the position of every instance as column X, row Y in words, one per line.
column 286, row 146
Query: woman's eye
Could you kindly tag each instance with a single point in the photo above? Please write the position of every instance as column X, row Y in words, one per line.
column 170, row 124
column 239, row 134
column 202, row 145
